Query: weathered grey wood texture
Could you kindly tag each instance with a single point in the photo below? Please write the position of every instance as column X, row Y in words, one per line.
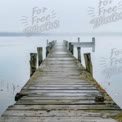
column 61, row 90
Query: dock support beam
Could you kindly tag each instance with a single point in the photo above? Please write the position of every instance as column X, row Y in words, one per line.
column 87, row 57
column 33, row 63
column 40, row 55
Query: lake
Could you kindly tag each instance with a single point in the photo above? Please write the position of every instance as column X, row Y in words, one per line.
column 15, row 68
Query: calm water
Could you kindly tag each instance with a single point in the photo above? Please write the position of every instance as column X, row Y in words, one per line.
column 14, row 64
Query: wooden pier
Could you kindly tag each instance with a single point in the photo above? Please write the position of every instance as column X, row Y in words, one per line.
column 62, row 90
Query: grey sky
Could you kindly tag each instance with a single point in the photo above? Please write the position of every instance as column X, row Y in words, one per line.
column 72, row 14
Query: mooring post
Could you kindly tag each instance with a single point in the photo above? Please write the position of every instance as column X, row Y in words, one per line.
column 88, row 62
column 47, row 50
column 40, row 55
column 33, row 63
column 79, row 53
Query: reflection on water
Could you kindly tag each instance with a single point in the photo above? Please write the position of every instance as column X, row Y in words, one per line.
column 11, row 88
column 15, row 71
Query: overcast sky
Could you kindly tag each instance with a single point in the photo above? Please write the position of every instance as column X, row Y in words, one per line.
column 72, row 14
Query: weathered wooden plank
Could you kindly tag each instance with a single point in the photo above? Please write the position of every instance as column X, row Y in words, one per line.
column 64, row 107
column 63, row 85
column 61, row 59
column 56, row 119
column 56, row 102
column 68, row 78
column 58, row 98
column 62, row 88
column 43, row 82
column 46, row 81
column 60, row 94
column 57, row 113
column 61, row 62
column 61, row 91
column 64, row 80
column 69, row 75
column 59, row 56
column 72, row 70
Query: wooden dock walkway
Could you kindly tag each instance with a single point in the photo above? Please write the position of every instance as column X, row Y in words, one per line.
column 61, row 90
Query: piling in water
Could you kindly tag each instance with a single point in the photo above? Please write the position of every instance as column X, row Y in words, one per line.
column 71, row 48
column 88, row 62
column 79, row 53
column 47, row 50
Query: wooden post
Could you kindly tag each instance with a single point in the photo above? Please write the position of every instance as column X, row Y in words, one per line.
column 53, row 43
column 33, row 63
column 93, row 41
column 47, row 50
column 50, row 45
column 79, row 53
column 66, row 44
column 87, row 57
column 40, row 55
column 70, row 46
column 72, row 49
column 47, row 43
